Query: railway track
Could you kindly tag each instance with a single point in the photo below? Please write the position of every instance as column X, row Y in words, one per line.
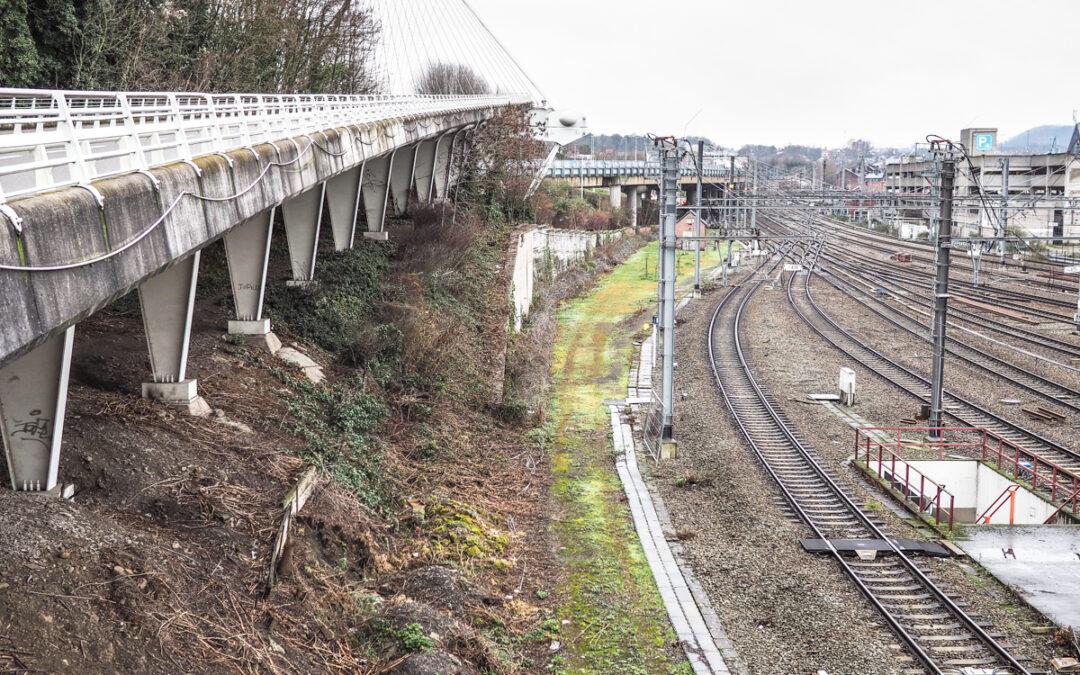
column 967, row 413
column 1017, row 300
column 923, row 252
column 845, row 280
column 938, row 634
column 903, row 289
column 857, row 280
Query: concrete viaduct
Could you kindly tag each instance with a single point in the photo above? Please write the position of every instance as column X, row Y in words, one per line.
column 101, row 194
column 634, row 181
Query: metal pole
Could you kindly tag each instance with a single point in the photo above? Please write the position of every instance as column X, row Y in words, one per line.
column 1004, row 208
column 660, row 258
column 699, row 227
column 731, row 195
column 753, row 205
column 941, row 295
column 667, row 247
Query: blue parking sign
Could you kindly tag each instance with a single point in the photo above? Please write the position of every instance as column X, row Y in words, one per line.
column 984, row 142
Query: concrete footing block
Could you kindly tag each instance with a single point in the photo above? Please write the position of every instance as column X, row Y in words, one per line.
column 256, row 334
column 256, row 327
column 377, row 236
column 59, row 491
column 183, row 395
column 312, row 371
column 669, row 449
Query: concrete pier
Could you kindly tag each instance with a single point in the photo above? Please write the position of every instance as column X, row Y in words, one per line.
column 376, row 187
column 167, row 301
column 247, row 252
column 442, row 165
column 303, row 218
column 401, row 177
column 343, row 203
column 424, row 169
column 33, row 398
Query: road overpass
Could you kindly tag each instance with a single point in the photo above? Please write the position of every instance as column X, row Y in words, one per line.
column 631, row 181
column 102, row 193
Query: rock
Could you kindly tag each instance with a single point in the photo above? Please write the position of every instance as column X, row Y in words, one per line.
column 438, row 586
column 297, row 358
column 426, row 663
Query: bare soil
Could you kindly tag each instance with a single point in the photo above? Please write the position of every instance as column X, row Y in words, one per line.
column 160, row 562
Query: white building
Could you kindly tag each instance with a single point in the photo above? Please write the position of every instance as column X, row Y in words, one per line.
column 1043, row 189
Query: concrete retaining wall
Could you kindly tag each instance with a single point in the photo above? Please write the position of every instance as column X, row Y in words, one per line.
column 545, row 252
column 67, row 225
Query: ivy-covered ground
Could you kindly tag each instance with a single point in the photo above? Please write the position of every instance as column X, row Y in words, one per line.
column 617, row 622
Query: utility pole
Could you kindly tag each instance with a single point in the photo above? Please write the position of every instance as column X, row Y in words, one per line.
column 731, row 183
column 670, row 179
column 699, row 228
column 941, row 294
column 1004, row 209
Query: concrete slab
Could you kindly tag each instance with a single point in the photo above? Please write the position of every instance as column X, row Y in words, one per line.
column 1044, row 566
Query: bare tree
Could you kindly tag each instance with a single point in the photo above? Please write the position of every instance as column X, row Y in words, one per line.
column 452, row 78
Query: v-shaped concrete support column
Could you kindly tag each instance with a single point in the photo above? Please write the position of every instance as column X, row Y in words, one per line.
column 33, row 398
column 424, row 171
column 376, row 186
column 303, row 217
column 401, row 176
column 247, row 251
column 343, row 201
column 167, row 301
column 441, row 172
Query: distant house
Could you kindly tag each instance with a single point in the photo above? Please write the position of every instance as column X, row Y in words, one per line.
column 685, row 228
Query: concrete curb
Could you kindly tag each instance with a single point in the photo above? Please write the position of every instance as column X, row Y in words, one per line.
column 699, row 631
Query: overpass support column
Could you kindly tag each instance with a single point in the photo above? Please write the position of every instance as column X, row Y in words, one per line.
column 167, row 301
column 343, row 201
column 303, row 216
column 424, row 173
column 633, row 197
column 441, row 173
column 376, row 186
column 615, row 197
column 247, row 251
column 401, row 177
column 33, row 397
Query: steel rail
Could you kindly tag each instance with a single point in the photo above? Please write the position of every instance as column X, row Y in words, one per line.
column 1039, row 385
column 910, row 567
column 976, row 416
column 894, row 277
column 888, row 244
column 841, row 258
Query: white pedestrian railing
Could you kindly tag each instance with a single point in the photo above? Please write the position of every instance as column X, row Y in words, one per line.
column 50, row 139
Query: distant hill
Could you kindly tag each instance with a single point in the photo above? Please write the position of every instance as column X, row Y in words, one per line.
column 1039, row 139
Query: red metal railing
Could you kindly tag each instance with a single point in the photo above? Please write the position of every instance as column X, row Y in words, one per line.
column 1007, row 496
column 1061, row 508
column 922, row 439
column 1024, row 465
column 1039, row 472
column 906, row 479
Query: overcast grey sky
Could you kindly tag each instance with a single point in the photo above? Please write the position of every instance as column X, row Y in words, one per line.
column 788, row 71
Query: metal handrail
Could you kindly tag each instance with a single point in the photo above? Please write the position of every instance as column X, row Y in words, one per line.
column 1006, row 495
column 905, row 483
column 51, row 139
